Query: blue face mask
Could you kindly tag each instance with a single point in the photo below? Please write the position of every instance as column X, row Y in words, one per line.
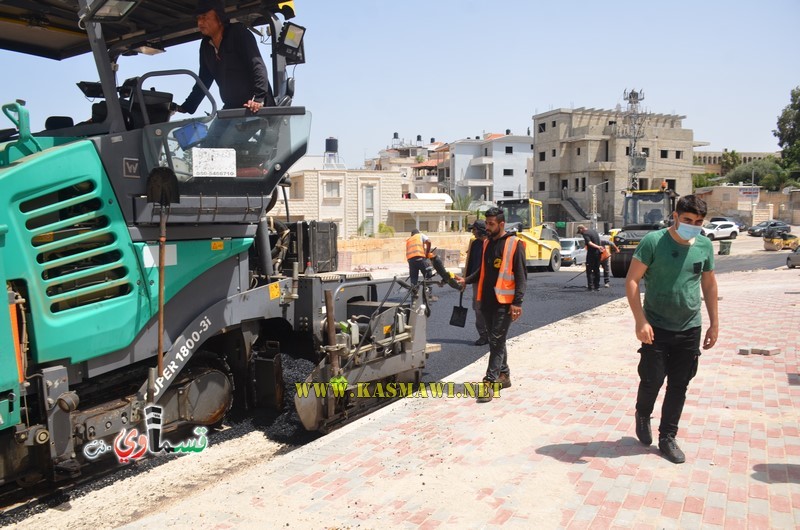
column 688, row 232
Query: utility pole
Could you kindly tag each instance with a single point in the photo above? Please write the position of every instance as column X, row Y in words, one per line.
column 633, row 124
column 593, row 215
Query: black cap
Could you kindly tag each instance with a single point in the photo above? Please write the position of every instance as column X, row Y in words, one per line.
column 204, row 6
column 480, row 225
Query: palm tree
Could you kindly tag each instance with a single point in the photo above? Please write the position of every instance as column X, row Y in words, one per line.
column 461, row 202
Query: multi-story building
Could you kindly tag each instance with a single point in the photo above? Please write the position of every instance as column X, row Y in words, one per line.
column 578, row 153
column 490, row 168
column 359, row 200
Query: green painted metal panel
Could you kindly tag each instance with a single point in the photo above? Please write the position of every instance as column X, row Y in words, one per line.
column 185, row 261
column 69, row 246
column 90, row 289
column 8, row 359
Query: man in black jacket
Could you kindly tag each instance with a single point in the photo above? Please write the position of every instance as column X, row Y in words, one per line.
column 473, row 264
column 228, row 55
column 593, row 250
column 501, row 279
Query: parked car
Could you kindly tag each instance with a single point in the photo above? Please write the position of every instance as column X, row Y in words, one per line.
column 739, row 224
column 573, row 251
column 720, row 230
column 779, row 226
column 793, row 259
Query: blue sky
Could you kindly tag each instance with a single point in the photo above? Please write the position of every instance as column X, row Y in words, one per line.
column 448, row 69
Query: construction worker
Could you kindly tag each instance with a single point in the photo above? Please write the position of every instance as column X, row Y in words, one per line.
column 605, row 241
column 418, row 247
column 593, row 250
column 473, row 264
column 501, row 280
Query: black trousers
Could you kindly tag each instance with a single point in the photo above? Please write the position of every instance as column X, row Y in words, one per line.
column 593, row 270
column 415, row 267
column 673, row 356
column 498, row 319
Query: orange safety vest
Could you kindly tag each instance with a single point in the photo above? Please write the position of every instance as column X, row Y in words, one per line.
column 505, row 286
column 414, row 247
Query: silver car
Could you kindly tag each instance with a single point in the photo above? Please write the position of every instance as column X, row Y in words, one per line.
column 573, row 251
column 793, row 259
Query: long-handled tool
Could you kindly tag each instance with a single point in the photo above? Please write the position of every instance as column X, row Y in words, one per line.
column 162, row 188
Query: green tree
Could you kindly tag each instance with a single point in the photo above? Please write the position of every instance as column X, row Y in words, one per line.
column 788, row 131
column 729, row 161
column 702, row 180
column 766, row 172
column 385, row 230
column 461, row 202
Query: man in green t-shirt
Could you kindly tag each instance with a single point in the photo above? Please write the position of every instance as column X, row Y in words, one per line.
column 676, row 264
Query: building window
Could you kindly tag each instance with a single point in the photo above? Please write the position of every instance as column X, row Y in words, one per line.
column 296, row 188
column 583, row 184
column 369, row 198
column 541, row 186
column 541, row 156
column 554, row 153
column 644, row 184
column 679, row 155
column 332, row 189
column 508, row 194
column 577, row 184
column 553, row 124
column 509, row 150
column 485, row 151
column 605, row 186
column 542, row 127
column 664, row 153
column 646, row 151
column 508, row 172
column 628, row 151
column 671, row 184
column 579, row 151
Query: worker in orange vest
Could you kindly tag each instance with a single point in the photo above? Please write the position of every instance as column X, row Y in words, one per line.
column 418, row 247
column 501, row 280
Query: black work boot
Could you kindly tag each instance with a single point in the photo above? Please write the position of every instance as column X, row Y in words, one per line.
column 669, row 448
column 504, row 379
column 643, row 432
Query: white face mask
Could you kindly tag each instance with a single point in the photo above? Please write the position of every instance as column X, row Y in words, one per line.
column 688, row 232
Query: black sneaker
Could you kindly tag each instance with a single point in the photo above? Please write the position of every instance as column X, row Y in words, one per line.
column 485, row 392
column 481, row 341
column 643, row 432
column 669, row 448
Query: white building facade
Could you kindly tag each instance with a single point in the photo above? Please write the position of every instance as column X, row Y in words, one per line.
column 491, row 168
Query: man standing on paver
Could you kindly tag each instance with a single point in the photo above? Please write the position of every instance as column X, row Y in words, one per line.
column 676, row 263
column 501, row 281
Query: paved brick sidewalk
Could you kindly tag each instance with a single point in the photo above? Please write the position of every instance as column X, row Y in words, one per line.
column 557, row 450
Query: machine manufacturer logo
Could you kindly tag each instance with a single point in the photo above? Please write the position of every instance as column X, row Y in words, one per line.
column 130, row 168
column 131, row 445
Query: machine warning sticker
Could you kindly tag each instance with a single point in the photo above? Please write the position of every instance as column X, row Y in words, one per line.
column 216, row 244
column 213, row 162
column 274, row 290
